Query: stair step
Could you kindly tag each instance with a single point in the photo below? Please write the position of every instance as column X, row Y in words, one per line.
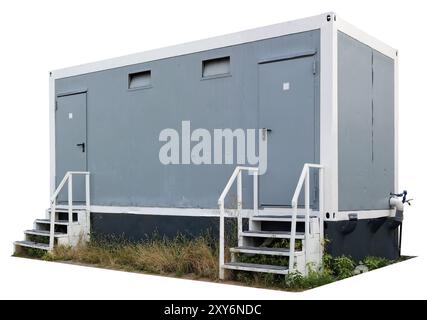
column 45, row 233
column 265, row 250
column 31, row 244
column 256, row 267
column 280, row 218
column 47, row 221
column 272, row 234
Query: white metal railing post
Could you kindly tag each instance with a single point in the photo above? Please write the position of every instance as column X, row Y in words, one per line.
column 294, row 217
column 307, row 202
column 221, row 240
column 292, row 240
column 52, row 224
column 239, row 208
column 87, row 185
column 305, row 179
column 255, row 174
column 68, row 177
column 70, row 199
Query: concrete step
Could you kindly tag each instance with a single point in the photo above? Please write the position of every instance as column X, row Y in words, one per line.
column 279, row 218
column 30, row 244
column 265, row 250
column 44, row 233
column 47, row 221
column 256, row 267
column 272, row 234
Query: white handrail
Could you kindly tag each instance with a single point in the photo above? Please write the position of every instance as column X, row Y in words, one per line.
column 68, row 177
column 237, row 173
column 305, row 179
column 231, row 181
column 60, row 186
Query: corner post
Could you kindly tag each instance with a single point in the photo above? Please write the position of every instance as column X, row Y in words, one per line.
column 329, row 113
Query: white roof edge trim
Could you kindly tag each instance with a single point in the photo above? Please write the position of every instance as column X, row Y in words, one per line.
column 271, row 31
column 365, row 38
column 275, row 30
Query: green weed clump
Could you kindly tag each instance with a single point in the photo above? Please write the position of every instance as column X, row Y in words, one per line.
column 375, row 262
column 342, row 267
column 332, row 269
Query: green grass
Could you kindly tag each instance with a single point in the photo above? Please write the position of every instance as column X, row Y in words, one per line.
column 160, row 256
column 38, row 239
column 333, row 269
column 375, row 262
column 31, row 253
column 198, row 259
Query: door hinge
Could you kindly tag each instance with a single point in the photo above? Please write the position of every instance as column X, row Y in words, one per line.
column 56, row 105
column 314, row 67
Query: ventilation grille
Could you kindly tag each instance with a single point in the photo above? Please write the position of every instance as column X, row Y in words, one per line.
column 140, row 79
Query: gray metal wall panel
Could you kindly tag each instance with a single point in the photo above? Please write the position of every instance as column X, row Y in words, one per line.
column 124, row 125
column 365, row 126
column 383, row 129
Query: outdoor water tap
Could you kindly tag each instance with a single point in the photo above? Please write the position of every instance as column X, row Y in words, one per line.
column 396, row 202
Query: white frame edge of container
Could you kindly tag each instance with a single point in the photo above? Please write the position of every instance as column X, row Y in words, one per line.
column 329, row 24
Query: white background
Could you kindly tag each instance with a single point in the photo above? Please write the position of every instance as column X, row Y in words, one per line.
column 39, row 36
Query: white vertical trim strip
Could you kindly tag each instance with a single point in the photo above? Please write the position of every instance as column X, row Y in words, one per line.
column 329, row 115
column 321, row 216
column 52, row 105
column 396, row 123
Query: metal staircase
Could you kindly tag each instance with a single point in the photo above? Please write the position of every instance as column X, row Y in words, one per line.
column 267, row 225
column 67, row 225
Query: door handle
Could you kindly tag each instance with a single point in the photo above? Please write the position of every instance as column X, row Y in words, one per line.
column 264, row 132
column 81, row 145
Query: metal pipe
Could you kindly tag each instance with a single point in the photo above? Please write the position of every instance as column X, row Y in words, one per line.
column 397, row 203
